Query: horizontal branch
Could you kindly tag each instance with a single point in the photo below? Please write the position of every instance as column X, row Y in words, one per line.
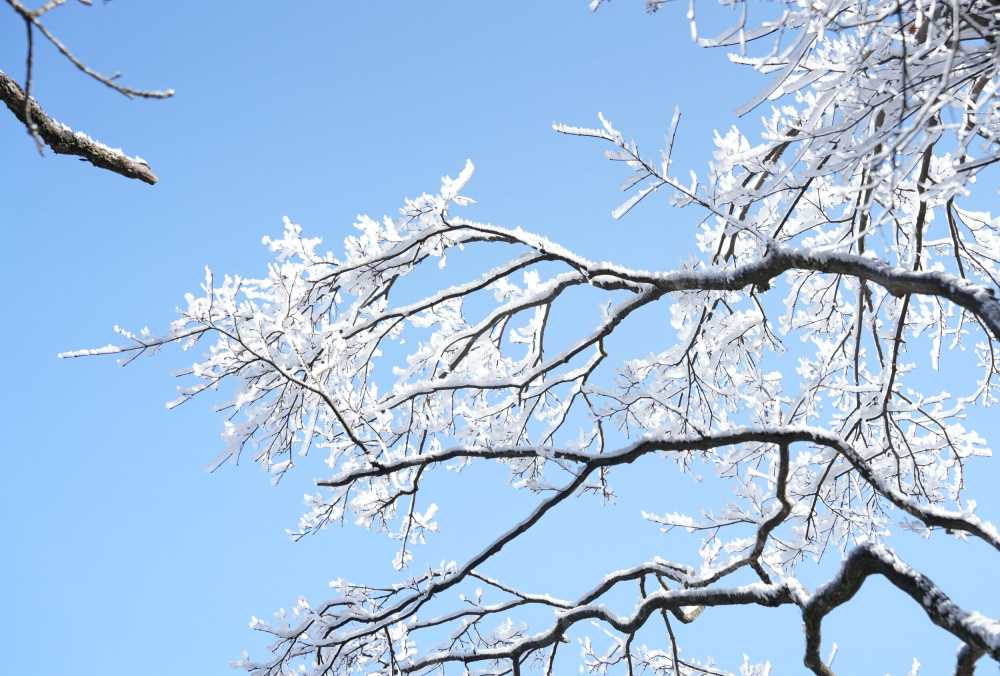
column 64, row 141
column 930, row 515
column 980, row 300
column 980, row 634
column 770, row 595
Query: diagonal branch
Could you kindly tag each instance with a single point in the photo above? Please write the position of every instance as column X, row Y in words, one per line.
column 64, row 141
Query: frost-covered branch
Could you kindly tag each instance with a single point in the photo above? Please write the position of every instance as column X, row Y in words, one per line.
column 820, row 355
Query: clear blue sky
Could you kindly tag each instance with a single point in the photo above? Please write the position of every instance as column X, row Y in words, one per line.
column 120, row 554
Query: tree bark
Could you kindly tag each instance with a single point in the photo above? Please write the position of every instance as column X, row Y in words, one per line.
column 64, row 141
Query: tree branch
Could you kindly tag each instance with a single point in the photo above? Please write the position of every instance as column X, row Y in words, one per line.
column 64, row 141
column 981, row 633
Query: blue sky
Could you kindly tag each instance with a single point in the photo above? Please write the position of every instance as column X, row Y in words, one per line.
column 122, row 554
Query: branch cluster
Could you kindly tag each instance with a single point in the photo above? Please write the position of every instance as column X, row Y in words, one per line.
column 47, row 131
column 800, row 359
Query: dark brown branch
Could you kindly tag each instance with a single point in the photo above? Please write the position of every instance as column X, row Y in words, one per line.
column 64, row 141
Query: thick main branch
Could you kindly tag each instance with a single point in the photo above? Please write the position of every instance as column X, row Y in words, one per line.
column 979, row 300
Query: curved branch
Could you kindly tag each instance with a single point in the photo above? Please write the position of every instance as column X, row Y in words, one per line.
column 977, row 631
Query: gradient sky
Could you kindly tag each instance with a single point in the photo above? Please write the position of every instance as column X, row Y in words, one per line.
column 121, row 554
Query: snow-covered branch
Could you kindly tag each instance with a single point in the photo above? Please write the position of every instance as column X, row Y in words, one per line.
column 64, row 141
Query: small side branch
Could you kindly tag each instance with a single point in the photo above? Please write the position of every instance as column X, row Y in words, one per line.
column 967, row 658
